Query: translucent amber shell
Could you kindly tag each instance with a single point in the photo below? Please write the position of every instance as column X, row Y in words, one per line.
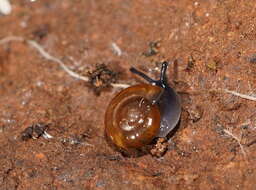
column 132, row 119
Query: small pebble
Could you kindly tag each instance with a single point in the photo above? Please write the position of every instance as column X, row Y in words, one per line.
column 5, row 7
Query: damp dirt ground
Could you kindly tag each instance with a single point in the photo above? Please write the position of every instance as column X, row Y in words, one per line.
column 214, row 43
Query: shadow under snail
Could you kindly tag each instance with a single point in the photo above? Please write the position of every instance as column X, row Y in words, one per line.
column 141, row 113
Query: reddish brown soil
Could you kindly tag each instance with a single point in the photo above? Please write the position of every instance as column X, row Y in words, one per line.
column 220, row 35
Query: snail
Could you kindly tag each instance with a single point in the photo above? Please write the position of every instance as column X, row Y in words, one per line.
column 143, row 112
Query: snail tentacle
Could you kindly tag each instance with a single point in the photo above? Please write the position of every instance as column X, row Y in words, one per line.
column 162, row 81
column 143, row 75
column 163, row 78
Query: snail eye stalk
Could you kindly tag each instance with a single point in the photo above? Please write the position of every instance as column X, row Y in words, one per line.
column 162, row 82
column 142, row 75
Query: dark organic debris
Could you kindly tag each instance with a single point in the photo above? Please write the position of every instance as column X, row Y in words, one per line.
column 101, row 78
column 252, row 59
column 34, row 131
column 153, row 49
column 41, row 31
column 190, row 64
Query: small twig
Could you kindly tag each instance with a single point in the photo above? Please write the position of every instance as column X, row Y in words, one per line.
column 118, row 85
column 50, row 57
column 11, row 38
column 74, row 141
column 244, row 96
column 237, row 139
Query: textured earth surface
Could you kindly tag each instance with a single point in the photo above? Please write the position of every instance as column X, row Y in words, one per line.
column 214, row 43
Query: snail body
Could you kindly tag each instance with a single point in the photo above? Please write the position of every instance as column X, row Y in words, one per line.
column 140, row 113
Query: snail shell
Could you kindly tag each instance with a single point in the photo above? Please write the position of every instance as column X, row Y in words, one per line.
column 140, row 113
